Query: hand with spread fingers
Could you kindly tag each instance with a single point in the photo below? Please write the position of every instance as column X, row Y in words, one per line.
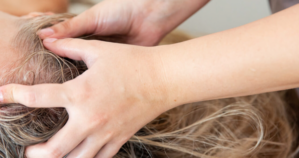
column 136, row 22
column 108, row 104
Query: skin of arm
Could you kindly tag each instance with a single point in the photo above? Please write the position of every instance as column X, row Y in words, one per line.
column 170, row 14
column 261, row 56
column 24, row 7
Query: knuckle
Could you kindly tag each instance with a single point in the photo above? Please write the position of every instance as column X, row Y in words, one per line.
column 55, row 153
column 70, row 96
column 70, row 90
column 110, row 151
column 81, row 94
column 110, row 134
column 104, row 119
column 124, row 140
column 114, row 151
column 94, row 43
column 44, row 151
column 98, row 121
column 29, row 98
column 74, row 99
column 63, row 26
column 19, row 94
column 67, row 42
column 95, row 124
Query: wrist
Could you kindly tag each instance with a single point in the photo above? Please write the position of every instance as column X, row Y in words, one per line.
column 164, row 89
column 177, row 65
column 153, row 86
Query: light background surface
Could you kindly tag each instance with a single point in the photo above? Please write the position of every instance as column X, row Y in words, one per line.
column 217, row 15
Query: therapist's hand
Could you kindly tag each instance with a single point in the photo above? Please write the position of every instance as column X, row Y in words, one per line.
column 139, row 22
column 121, row 91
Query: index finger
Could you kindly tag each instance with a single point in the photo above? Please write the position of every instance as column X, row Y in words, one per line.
column 37, row 96
column 84, row 23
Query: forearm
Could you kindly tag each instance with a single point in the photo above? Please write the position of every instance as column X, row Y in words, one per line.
column 258, row 57
column 168, row 14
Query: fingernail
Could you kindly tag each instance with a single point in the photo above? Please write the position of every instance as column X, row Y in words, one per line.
column 1, row 97
column 46, row 32
column 50, row 40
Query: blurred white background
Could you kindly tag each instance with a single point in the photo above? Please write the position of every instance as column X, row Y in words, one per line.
column 217, row 15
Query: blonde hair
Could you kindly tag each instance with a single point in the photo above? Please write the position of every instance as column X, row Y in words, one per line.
column 253, row 126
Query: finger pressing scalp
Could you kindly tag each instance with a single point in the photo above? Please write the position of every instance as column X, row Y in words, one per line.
column 73, row 27
column 76, row 49
column 55, row 147
column 64, row 48
column 38, row 96
column 16, row 94
column 7, row 94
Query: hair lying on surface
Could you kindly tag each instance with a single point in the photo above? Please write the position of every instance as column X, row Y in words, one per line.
column 253, row 126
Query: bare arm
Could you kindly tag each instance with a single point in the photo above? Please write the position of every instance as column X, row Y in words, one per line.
column 258, row 57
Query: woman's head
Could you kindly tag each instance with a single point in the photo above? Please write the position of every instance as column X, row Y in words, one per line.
column 253, row 126
column 19, row 42
column 24, row 60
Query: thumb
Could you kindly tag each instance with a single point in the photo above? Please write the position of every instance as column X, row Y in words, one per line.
column 76, row 49
column 75, row 27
